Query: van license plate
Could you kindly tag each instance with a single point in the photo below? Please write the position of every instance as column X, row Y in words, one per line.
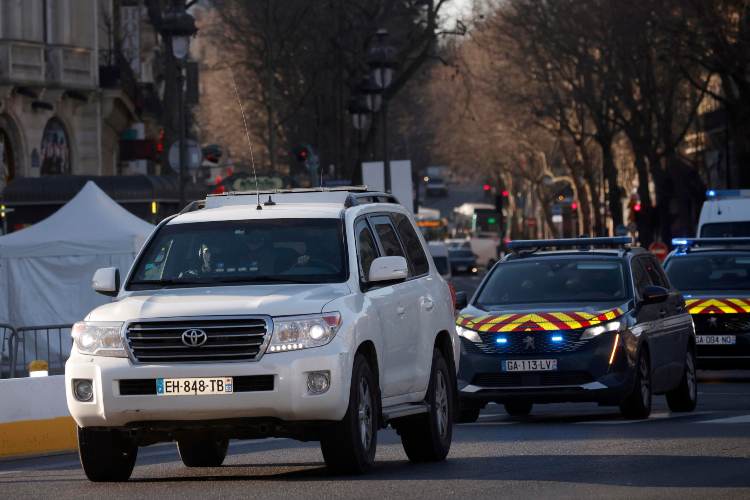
column 530, row 365
column 193, row 386
column 715, row 339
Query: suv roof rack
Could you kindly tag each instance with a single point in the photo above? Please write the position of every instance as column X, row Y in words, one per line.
column 348, row 196
column 684, row 245
column 528, row 247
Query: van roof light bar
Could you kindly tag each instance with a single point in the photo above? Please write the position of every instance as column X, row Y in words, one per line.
column 583, row 243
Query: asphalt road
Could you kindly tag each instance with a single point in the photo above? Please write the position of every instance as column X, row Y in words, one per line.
column 560, row 451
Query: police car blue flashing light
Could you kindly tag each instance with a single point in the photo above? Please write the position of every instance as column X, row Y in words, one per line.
column 501, row 340
column 557, row 338
column 710, row 193
column 684, row 245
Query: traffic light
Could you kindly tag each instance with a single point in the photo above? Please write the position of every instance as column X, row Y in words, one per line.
column 486, row 187
column 3, row 212
column 302, row 154
column 637, row 207
column 574, row 205
column 505, row 193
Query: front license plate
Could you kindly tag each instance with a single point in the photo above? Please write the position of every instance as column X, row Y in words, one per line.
column 193, row 386
column 715, row 339
column 530, row 365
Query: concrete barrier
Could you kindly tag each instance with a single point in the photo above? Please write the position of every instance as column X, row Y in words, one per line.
column 34, row 417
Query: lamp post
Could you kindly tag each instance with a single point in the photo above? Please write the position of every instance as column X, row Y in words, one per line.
column 360, row 113
column 177, row 27
column 381, row 58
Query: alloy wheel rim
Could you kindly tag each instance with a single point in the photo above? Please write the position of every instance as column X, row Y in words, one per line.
column 645, row 389
column 364, row 413
column 690, row 367
column 441, row 404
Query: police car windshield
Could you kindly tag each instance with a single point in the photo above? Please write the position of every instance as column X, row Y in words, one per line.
column 243, row 251
column 718, row 271
column 552, row 280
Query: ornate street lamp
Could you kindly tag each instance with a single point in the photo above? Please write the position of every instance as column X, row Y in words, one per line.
column 360, row 113
column 381, row 58
column 177, row 27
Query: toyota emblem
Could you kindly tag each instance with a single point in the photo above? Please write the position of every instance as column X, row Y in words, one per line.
column 194, row 337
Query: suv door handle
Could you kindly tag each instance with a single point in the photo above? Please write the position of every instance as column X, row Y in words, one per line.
column 401, row 311
column 427, row 304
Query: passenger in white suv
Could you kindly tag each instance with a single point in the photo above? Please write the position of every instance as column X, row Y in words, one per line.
column 345, row 328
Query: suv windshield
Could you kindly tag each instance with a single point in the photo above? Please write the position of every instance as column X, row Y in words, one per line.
column 243, row 251
column 725, row 271
column 725, row 229
column 551, row 280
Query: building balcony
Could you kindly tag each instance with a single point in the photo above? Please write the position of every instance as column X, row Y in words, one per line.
column 21, row 63
column 71, row 67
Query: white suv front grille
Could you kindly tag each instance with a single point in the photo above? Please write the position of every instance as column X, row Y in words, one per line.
column 189, row 340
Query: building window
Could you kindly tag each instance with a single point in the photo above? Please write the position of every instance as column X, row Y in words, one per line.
column 55, row 149
column 7, row 159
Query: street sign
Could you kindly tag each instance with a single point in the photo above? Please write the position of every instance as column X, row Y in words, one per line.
column 659, row 249
column 193, row 155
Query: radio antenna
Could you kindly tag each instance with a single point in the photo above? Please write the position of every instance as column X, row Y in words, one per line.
column 247, row 135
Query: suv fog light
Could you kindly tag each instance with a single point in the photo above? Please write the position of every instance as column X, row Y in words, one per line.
column 318, row 382
column 83, row 390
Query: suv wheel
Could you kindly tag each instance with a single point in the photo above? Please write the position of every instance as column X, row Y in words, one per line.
column 107, row 455
column 349, row 446
column 518, row 408
column 637, row 405
column 427, row 437
column 685, row 396
column 202, row 451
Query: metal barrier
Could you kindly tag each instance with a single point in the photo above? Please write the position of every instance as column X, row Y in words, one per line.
column 7, row 335
column 51, row 343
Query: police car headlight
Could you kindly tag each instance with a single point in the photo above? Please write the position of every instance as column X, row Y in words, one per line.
column 100, row 338
column 301, row 332
column 468, row 334
column 595, row 331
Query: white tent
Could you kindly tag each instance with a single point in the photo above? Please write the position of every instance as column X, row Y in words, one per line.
column 46, row 269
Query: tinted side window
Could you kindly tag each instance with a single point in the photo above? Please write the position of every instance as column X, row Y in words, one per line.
column 640, row 277
column 414, row 250
column 655, row 274
column 367, row 250
column 387, row 236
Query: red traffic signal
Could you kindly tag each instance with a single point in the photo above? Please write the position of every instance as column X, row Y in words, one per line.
column 486, row 187
column 637, row 207
column 574, row 206
column 505, row 193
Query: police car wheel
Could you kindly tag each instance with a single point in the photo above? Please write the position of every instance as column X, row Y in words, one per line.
column 468, row 415
column 427, row 437
column 202, row 451
column 685, row 396
column 637, row 405
column 107, row 455
column 518, row 408
column 349, row 445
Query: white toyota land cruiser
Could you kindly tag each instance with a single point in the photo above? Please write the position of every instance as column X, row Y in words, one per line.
column 316, row 316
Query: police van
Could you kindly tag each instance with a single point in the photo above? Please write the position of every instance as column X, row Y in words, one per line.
column 725, row 213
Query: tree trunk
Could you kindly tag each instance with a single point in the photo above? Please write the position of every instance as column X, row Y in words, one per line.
column 645, row 218
column 610, row 174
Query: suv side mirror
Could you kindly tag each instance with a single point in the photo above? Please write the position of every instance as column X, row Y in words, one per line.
column 392, row 268
column 653, row 294
column 462, row 300
column 106, row 281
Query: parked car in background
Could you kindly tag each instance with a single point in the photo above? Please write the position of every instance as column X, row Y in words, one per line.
column 463, row 261
column 440, row 256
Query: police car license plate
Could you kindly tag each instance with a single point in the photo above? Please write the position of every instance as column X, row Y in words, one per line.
column 193, row 386
column 530, row 365
column 715, row 339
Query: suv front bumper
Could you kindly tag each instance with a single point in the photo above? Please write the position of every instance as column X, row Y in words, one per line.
column 289, row 399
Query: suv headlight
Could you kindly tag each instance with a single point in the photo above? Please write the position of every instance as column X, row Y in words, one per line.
column 468, row 334
column 300, row 332
column 595, row 331
column 99, row 338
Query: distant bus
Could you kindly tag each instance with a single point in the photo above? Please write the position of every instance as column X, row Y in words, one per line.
column 481, row 225
column 433, row 227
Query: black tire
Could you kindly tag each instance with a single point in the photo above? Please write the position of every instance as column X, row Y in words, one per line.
column 684, row 397
column 107, row 455
column 202, row 451
column 518, row 408
column 349, row 445
column 427, row 437
column 637, row 405
column 468, row 415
